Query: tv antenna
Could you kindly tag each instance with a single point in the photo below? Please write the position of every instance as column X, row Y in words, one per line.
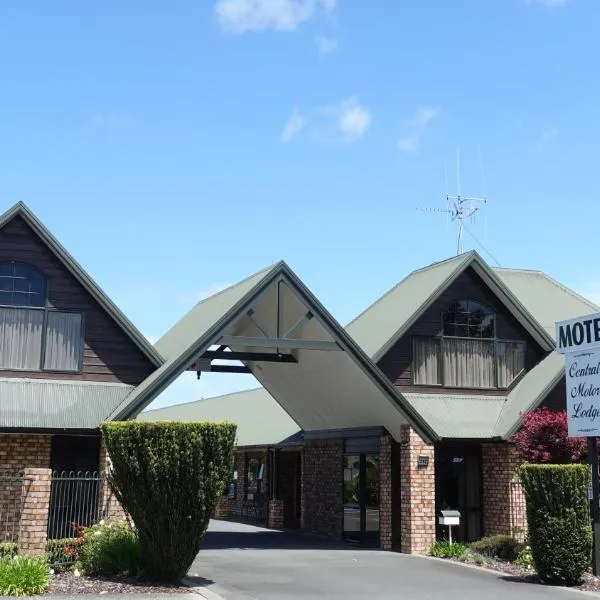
column 461, row 207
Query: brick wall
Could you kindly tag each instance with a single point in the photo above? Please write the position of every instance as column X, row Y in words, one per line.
column 21, row 451
column 276, row 514
column 322, row 479
column 503, row 499
column 386, row 495
column 417, row 489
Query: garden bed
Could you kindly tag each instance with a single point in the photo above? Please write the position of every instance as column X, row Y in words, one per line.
column 68, row 584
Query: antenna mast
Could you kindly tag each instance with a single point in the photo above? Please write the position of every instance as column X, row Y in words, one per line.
column 462, row 207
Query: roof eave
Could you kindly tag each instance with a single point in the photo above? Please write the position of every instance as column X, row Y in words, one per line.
column 22, row 210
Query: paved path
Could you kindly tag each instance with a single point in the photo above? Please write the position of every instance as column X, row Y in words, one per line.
column 241, row 562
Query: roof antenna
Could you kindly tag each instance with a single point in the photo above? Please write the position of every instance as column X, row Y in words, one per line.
column 461, row 207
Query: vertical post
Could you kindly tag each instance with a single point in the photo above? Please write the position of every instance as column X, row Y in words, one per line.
column 593, row 462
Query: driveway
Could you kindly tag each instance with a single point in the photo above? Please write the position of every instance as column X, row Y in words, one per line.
column 242, row 562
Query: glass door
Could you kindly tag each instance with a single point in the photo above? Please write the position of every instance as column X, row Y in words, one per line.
column 352, row 497
column 361, row 498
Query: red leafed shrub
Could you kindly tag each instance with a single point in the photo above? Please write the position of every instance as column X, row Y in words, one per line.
column 543, row 439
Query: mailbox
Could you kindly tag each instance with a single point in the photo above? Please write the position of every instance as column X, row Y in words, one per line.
column 450, row 517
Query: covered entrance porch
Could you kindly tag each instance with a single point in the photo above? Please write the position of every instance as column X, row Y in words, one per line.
column 271, row 326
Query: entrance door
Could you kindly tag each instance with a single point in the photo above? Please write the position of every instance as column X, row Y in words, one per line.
column 361, row 498
column 458, row 474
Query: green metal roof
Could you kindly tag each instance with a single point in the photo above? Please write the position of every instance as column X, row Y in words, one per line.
column 459, row 416
column 20, row 209
column 389, row 318
column 57, row 404
column 260, row 420
column 545, row 298
column 185, row 340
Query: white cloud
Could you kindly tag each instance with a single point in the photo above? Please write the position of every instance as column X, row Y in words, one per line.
column 548, row 3
column 239, row 16
column 325, row 45
column 293, row 127
column 409, row 143
column 549, row 134
column 424, row 115
column 417, row 125
column 353, row 120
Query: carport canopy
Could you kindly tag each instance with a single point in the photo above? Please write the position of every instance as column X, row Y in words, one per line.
column 272, row 326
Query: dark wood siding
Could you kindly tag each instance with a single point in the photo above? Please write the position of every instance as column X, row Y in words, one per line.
column 557, row 399
column 109, row 354
column 396, row 363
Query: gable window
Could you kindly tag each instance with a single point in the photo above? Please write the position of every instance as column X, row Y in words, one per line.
column 33, row 336
column 467, row 354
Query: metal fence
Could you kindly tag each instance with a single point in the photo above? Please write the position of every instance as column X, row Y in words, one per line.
column 75, row 502
column 12, row 497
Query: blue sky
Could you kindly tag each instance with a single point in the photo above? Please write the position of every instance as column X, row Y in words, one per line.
column 175, row 148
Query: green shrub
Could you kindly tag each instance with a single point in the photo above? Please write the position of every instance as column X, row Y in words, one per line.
column 110, row 548
column 169, row 476
column 525, row 559
column 503, row 547
column 560, row 534
column 9, row 549
column 444, row 549
column 63, row 552
column 23, row 576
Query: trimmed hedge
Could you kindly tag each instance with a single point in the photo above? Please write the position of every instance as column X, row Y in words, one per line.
column 503, row 547
column 560, row 533
column 169, row 476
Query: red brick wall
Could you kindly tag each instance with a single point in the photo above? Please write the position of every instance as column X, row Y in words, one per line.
column 503, row 499
column 33, row 524
column 417, row 488
column 322, row 479
column 111, row 508
column 20, row 451
column 386, row 492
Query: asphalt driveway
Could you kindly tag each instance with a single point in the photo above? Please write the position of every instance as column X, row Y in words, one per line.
column 242, row 562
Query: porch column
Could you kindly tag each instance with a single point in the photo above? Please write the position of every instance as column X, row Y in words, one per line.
column 417, row 490
column 33, row 526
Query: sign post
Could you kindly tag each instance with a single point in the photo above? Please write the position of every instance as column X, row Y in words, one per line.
column 579, row 340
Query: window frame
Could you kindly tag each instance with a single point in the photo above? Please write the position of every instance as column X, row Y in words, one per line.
column 442, row 337
column 46, row 310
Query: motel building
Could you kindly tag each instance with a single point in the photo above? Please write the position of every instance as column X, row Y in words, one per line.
column 363, row 432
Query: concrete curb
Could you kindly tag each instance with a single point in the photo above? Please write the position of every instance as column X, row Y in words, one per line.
column 500, row 573
column 204, row 591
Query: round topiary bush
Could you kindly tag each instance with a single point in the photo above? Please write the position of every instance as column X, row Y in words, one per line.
column 168, row 477
column 560, row 533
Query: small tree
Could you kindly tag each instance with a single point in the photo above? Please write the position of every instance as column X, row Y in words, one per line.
column 560, row 533
column 168, row 476
column 543, row 439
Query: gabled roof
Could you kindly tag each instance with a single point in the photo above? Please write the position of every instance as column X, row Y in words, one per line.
column 260, row 420
column 51, row 404
column 389, row 318
column 21, row 210
column 341, row 388
column 183, row 343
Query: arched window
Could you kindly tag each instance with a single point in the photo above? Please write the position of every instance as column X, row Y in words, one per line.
column 33, row 335
column 468, row 353
column 21, row 285
column 469, row 319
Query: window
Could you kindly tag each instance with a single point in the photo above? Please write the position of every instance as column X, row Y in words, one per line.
column 254, row 479
column 467, row 354
column 34, row 337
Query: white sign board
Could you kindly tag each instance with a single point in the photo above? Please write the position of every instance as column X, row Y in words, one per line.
column 582, row 371
column 575, row 335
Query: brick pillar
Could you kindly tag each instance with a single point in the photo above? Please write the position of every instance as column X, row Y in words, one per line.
column 110, row 507
column 33, row 526
column 385, row 492
column 503, row 498
column 276, row 511
column 417, row 489
column 223, row 508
